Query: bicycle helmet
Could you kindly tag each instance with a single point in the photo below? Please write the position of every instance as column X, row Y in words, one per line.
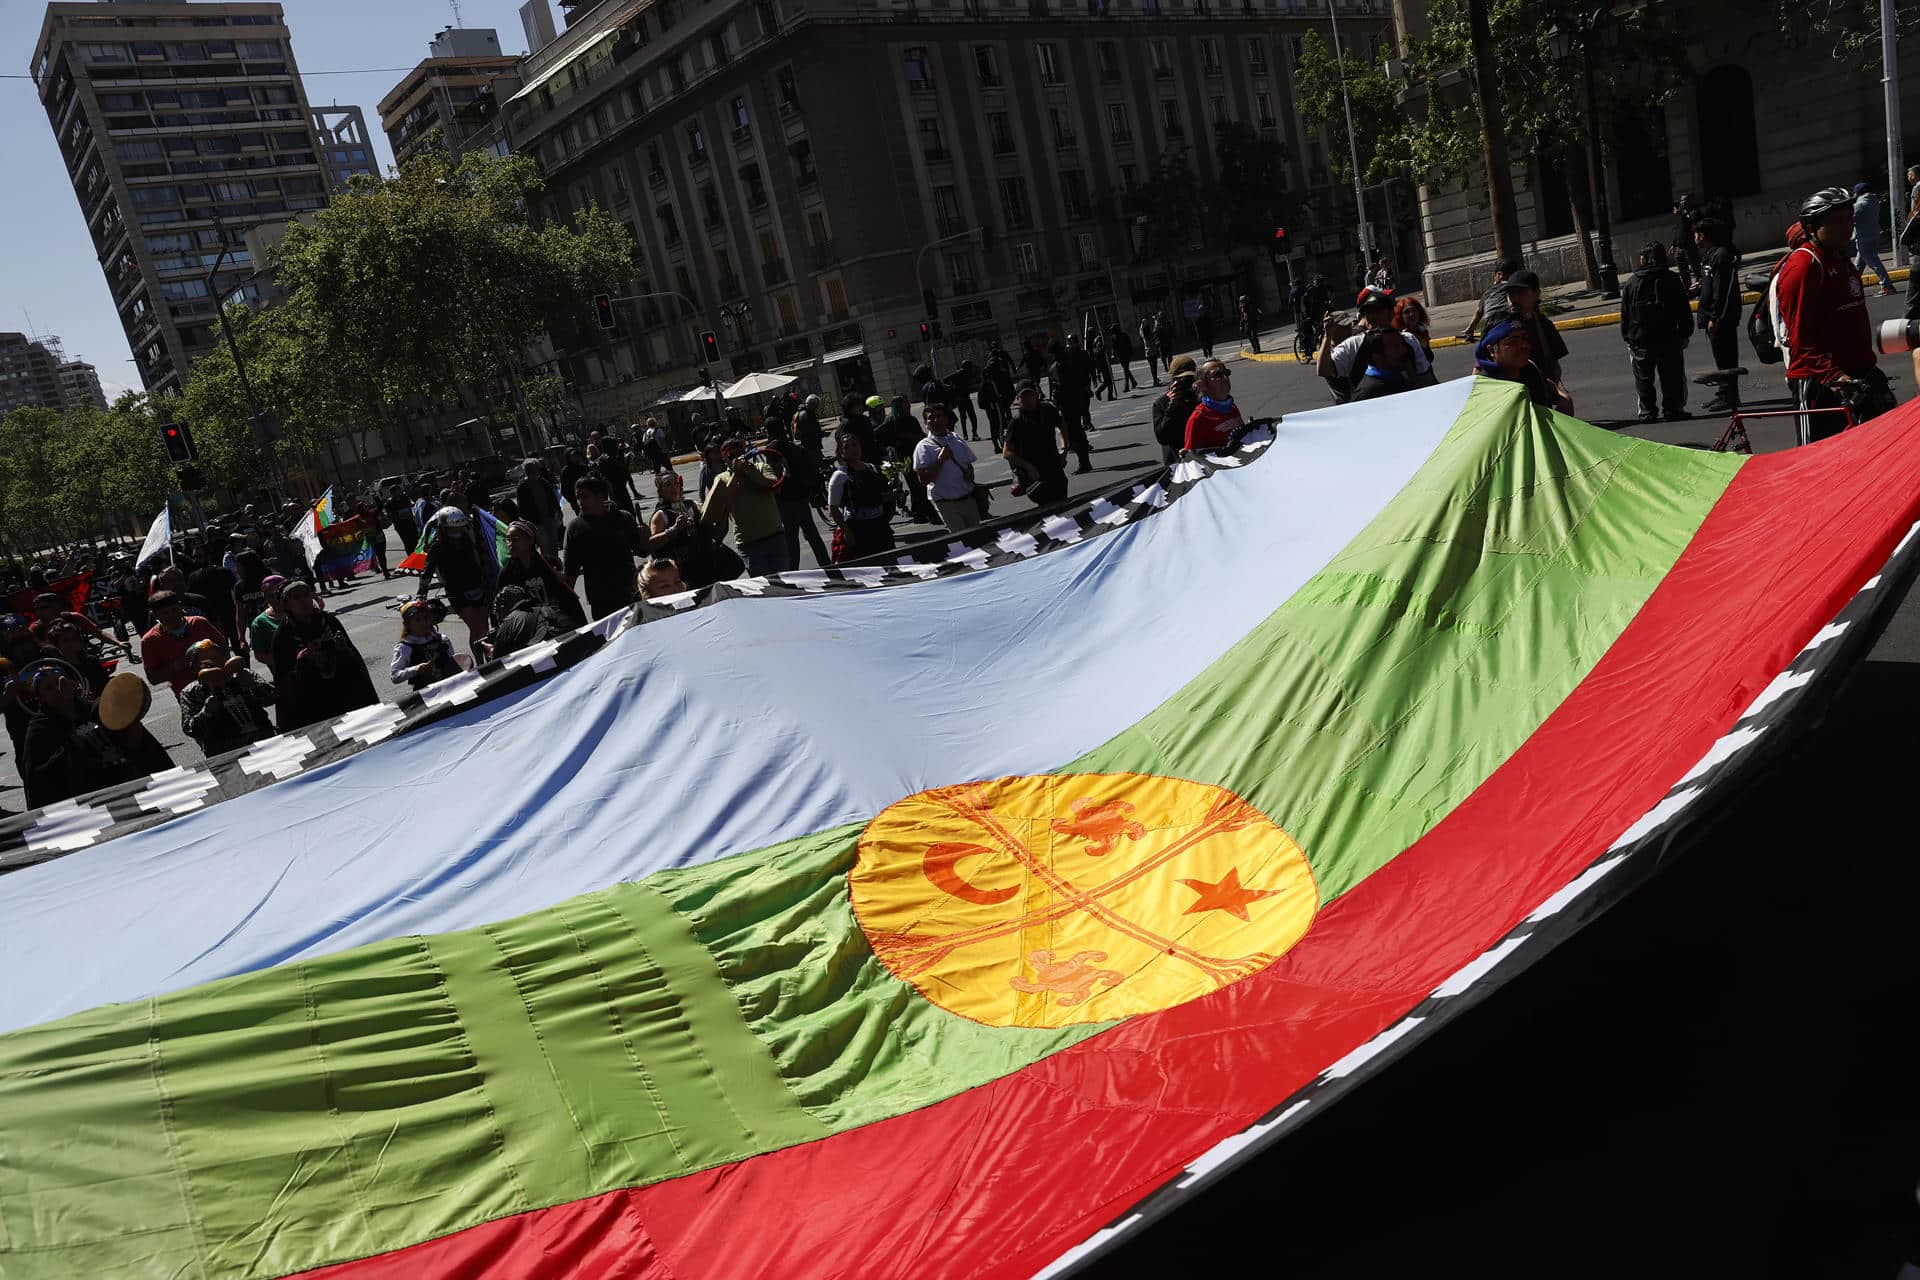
column 450, row 518
column 875, row 402
column 1815, row 208
column 1372, row 297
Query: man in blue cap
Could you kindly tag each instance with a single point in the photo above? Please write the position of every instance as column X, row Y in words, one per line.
column 1506, row 352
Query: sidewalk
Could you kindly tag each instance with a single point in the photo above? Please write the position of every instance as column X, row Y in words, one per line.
column 1570, row 307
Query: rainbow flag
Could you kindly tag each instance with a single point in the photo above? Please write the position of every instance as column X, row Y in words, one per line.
column 1187, row 828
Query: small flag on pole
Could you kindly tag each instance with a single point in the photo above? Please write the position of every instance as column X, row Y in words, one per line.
column 159, row 536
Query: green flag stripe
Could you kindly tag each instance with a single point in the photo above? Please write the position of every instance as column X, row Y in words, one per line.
column 406, row 1089
column 1506, row 568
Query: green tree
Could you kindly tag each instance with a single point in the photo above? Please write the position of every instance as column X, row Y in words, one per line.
column 1251, row 198
column 1166, row 212
column 1426, row 129
column 432, row 281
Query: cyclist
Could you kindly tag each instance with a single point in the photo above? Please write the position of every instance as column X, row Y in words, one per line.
column 1824, row 323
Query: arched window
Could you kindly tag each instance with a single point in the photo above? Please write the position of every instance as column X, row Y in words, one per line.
column 1729, row 142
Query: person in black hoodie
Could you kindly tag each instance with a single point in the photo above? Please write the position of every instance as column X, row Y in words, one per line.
column 317, row 671
column 1655, row 323
column 1720, row 306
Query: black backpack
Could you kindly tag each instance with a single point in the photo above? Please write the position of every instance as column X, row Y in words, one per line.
column 1652, row 318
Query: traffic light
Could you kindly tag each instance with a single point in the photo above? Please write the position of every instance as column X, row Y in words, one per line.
column 709, row 346
column 179, row 443
column 926, row 331
column 603, row 311
column 191, row 481
column 1280, row 238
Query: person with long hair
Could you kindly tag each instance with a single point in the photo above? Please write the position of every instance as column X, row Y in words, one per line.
column 1410, row 317
column 528, row 568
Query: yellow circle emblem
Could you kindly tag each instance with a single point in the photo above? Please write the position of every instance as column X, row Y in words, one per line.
column 1053, row 900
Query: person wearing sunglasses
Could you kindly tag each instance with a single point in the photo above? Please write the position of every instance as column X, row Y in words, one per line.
column 1216, row 417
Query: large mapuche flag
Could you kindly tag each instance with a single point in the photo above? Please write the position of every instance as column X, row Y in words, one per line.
column 946, row 929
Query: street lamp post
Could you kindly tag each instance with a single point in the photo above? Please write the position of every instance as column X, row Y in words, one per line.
column 1597, row 167
column 1353, row 147
column 263, row 430
column 919, row 281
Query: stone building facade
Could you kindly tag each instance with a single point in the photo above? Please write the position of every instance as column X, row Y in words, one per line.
column 802, row 169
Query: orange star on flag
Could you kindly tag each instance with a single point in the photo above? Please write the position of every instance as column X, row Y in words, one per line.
column 1227, row 895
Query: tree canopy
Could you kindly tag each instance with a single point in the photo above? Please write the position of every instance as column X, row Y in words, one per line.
column 82, row 473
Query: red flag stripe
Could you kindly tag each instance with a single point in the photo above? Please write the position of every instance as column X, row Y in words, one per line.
column 1002, row 1179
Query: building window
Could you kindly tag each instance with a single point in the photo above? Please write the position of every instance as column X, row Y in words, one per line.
column 1062, row 125
column 986, row 63
column 1014, row 203
column 919, row 70
column 1257, row 56
column 1219, row 105
column 1210, row 56
column 617, row 185
column 928, row 131
column 710, row 205
column 654, row 163
column 696, row 143
column 1729, row 142
column 1026, row 261
column 723, row 271
column 1129, row 177
column 669, row 224
column 817, row 227
column 1089, row 251
column 1106, row 55
column 804, row 174
column 742, row 121
column 756, row 187
column 1000, row 130
column 1170, row 118
column 1119, row 128
column 768, row 16
column 788, row 311
column 1297, row 46
column 1162, row 60
column 960, row 277
column 789, row 90
column 836, row 298
column 1049, row 62
column 1073, row 194
column 1263, row 109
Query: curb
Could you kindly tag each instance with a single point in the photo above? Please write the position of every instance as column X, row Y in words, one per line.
column 1586, row 322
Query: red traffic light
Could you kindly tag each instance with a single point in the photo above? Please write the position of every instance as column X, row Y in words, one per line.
column 179, row 444
column 709, row 346
column 1279, row 233
column 603, row 310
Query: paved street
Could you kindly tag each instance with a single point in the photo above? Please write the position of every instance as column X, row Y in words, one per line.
column 1596, row 375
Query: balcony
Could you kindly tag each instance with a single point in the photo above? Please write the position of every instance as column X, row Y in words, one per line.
column 1163, row 73
column 807, row 179
column 936, row 155
column 774, row 270
column 1066, row 141
column 742, row 135
column 1003, row 147
column 730, row 287
column 696, row 158
column 1213, row 69
column 949, row 224
column 1122, row 137
column 823, row 254
column 657, row 178
column 789, row 107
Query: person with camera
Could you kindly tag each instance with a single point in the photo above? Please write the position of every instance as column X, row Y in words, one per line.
column 226, row 706
column 1338, row 362
column 1824, row 324
column 746, row 495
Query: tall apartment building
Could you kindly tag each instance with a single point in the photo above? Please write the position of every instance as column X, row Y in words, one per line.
column 29, row 374
column 462, row 64
column 171, row 116
column 536, row 20
column 345, row 149
column 80, row 384
column 800, row 168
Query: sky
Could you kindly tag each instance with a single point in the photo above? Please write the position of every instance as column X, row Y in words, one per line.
column 50, row 284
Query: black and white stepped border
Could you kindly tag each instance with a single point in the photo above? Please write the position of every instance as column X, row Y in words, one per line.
column 1792, row 702
column 71, row 825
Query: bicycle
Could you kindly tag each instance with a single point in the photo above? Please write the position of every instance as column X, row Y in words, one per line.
column 1735, row 440
column 1306, row 340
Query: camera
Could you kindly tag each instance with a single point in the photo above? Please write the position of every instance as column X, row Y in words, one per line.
column 1896, row 336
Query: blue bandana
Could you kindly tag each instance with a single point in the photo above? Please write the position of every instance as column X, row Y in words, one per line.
column 1483, row 354
column 1218, row 406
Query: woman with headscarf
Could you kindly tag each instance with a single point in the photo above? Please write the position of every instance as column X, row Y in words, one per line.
column 466, row 569
column 529, row 570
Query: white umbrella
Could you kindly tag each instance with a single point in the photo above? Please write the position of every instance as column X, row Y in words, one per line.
column 755, row 385
column 698, row 393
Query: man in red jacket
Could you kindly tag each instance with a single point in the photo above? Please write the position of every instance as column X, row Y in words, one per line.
column 1824, row 322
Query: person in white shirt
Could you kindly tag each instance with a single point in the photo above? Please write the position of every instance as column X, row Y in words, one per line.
column 1340, row 348
column 944, row 463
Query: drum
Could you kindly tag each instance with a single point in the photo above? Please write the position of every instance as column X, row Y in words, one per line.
column 124, row 701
